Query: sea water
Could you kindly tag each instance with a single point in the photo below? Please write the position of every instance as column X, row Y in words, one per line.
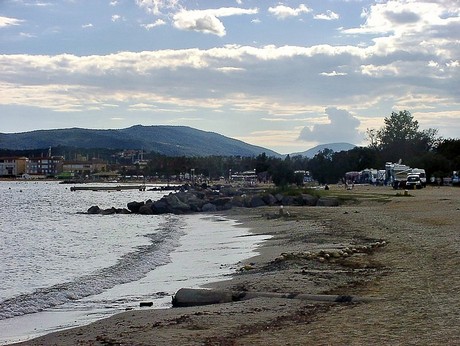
column 61, row 268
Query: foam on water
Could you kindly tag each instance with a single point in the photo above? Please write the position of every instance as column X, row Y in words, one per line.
column 130, row 267
column 61, row 269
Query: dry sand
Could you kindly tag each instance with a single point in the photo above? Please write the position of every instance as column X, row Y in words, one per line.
column 416, row 272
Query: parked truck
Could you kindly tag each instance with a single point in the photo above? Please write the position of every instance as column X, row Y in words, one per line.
column 400, row 176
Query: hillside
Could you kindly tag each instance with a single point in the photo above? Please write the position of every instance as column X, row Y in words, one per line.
column 336, row 147
column 166, row 140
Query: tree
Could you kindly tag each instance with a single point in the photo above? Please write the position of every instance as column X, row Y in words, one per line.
column 401, row 138
column 282, row 172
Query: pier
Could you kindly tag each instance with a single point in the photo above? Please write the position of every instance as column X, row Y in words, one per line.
column 126, row 187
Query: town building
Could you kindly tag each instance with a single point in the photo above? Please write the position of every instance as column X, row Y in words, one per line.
column 45, row 166
column 13, row 166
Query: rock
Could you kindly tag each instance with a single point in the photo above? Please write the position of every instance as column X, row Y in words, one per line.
column 146, row 209
column 287, row 200
column 209, row 207
column 238, row 201
column 256, row 201
column 269, row 199
column 134, row 206
column 160, row 207
column 279, row 197
column 123, row 211
column 94, row 210
column 176, row 206
column 109, row 211
column 219, row 202
column 309, row 200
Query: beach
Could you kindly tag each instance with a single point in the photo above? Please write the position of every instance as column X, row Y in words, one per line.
column 379, row 243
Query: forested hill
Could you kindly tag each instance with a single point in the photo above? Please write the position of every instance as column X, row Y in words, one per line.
column 166, row 140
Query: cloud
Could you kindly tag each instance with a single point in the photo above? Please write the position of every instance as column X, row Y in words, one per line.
column 283, row 12
column 85, row 26
column 329, row 15
column 158, row 22
column 6, row 21
column 342, row 127
column 207, row 21
column 116, row 18
column 156, row 6
column 403, row 17
column 333, row 74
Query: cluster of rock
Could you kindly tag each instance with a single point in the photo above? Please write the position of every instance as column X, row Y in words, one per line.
column 325, row 255
column 211, row 200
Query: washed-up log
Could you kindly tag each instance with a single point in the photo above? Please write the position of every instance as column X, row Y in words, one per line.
column 195, row 297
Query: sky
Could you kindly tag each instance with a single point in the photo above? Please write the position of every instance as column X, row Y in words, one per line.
column 282, row 75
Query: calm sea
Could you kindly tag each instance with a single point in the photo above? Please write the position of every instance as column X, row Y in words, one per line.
column 61, row 268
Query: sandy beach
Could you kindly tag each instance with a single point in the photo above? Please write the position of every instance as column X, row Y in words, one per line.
column 402, row 250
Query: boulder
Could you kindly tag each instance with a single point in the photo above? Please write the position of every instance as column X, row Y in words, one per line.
column 146, row 209
column 238, row 201
column 221, row 201
column 269, row 199
column 123, row 211
column 208, row 208
column 175, row 205
column 160, row 207
column 135, row 206
column 287, row 200
column 279, row 197
column 94, row 210
column 309, row 200
column 109, row 211
column 256, row 201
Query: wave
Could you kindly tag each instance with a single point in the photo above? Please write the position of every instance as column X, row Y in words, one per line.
column 130, row 267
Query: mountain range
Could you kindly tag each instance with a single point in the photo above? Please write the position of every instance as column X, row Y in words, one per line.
column 336, row 147
column 166, row 140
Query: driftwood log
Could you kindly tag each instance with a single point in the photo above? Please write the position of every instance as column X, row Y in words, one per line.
column 195, row 297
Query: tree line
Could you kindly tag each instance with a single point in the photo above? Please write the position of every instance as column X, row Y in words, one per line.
column 399, row 139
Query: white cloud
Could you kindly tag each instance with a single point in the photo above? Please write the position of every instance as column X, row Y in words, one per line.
column 207, row 21
column 6, row 21
column 342, row 127
column 329, row 15
column 199, row 21
column 158, row 22
column 156, row 6
column 406, row 16
column 333, row 74
column 116, row 18
column 85, row 26
column 283, row 12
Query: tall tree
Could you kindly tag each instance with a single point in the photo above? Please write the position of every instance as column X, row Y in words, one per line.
column 401, row 138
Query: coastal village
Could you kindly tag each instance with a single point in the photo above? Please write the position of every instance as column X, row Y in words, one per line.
column 82, row 167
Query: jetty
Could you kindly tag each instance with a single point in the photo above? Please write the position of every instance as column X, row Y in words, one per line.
column 108, row 188
column 126, row 187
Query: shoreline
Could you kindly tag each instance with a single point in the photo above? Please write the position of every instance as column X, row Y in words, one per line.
column 416, row 273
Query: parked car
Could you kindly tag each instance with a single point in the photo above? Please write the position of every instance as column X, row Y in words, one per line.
column 413, row 181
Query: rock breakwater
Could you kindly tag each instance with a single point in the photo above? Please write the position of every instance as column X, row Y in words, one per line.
column 206, row 199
